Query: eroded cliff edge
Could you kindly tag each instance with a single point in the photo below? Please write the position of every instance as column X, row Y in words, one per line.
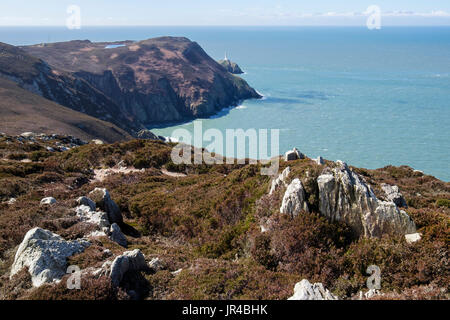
column 156, row 80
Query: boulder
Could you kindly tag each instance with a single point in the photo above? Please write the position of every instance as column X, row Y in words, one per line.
column 319, row 160
column 304, row 290
column 116, row 235
column 86, row 202
column 129, row 261
column 12, row 201
column 294, row 199
column 48, row 201
column 344, row 196
column 293, row 154
column 413, row 237
column 45, row 254
column 280, row 180
column 393, row 194
column 104, row 202
column 99, row 218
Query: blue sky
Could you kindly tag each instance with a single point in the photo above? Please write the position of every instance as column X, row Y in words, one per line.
column 227, row 12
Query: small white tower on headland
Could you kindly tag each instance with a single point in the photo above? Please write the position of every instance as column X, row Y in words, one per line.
column 226, row 58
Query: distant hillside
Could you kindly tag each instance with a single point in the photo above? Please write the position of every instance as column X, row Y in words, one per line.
column 155, row 80
column 22, row 111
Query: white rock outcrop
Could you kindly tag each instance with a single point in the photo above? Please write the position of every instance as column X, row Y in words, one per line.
column 48, row 201
column 304, row 290
column 86, row 214
column 413, row 237
column 393, row 194
column 294, row 199
column 344, row 196
column 86, row 202
column 104, row 202
column 45, row 254
column 280, row 180
column 129, row 261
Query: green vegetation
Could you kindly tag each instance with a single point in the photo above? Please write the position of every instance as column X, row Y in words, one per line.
column 207, row 223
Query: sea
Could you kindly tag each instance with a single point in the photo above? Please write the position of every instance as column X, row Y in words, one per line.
column 371, row 98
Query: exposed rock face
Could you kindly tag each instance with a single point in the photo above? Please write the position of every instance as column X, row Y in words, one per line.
column 293, row 154
column 48, row 201
column 231, row 66
column 117, row 236
column 45, row 254
column 104, row 202
column 156, row 80
column 393, row 194
column 344, row 196
column 99, row 218
column 129, row 261
column 280, row 180
column 304, row 290
column 294, row 200
column 86, row 202
column 60, row 86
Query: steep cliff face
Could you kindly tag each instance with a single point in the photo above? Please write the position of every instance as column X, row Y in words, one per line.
column 38, row 77
column 156, row 80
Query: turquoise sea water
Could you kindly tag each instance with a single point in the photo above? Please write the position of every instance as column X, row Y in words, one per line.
column 370, row 98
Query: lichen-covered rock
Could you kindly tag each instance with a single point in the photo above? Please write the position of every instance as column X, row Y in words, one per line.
column 393, row 194
column 45, row 254
column 344, row 196
column 294, row 199
column 86, row 202
column 86, row 214
column 116, row 235
column 48, row 201
column 280, row 180
column 304, row 290
column 104, row 202
column 129, row 261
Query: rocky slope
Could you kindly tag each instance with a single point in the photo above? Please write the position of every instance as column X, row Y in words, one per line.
column 37, row 77
column 212, row 232
column 155, row 80
column 23, row 111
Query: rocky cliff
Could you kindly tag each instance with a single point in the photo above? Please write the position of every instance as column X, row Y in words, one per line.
column 156, row 80
column 231, row 66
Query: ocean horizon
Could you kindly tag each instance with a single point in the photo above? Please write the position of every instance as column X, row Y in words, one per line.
column 369, row 98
